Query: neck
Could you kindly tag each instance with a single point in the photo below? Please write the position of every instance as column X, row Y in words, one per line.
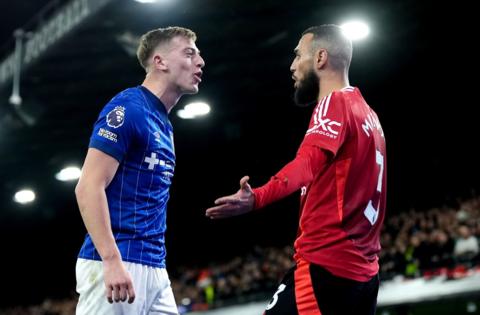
column 159, row 87
column 332, row 82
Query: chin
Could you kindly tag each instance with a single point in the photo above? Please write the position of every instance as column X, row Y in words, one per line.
column 191, row 89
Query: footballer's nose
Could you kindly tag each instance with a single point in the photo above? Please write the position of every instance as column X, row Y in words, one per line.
column 201, row 62
column 292, row 67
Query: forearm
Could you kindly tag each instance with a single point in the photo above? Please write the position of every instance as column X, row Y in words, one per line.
column 299, row 172
column 92, row 202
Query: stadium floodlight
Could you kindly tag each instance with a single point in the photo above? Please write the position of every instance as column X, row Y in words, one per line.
column 198, row 108
column 24, row 196
column 194, row 110
column 355, row 30
column 182, row 113
column 69, row 173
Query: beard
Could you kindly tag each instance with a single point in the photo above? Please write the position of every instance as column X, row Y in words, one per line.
column 307, row 91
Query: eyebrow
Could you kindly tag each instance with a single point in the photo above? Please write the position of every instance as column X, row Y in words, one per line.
column 191, row 49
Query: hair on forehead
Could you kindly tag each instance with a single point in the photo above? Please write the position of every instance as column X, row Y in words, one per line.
column 160, row 36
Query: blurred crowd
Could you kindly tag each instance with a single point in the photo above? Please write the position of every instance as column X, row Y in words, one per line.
column 48, row 307
column 424, row 243
column 414, row 244
column 251, row 277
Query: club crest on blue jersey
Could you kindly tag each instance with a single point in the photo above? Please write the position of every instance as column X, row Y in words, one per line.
column 116, row 117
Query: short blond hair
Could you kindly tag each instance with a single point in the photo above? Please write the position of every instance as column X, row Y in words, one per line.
column 152, row 39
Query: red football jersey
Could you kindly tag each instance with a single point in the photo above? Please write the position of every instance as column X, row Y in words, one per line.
column 342, row 209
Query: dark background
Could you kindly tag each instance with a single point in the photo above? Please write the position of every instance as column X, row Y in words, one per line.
column 416, row 69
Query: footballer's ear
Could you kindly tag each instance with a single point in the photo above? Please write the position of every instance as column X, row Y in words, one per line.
column 320, row 58
column 159, row 62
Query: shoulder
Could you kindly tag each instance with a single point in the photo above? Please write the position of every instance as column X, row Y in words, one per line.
column 350, row 99
column 130, row 98
column 128, row 102
column 341, row 96
column 332, row 104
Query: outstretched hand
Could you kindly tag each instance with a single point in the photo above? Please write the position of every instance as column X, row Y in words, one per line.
column 241, row 202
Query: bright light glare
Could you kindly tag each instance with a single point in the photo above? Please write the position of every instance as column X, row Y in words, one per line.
column 198, row 108
column 355, row 30
column 194, row 110
column 24, row 196
column 68, row 174
column 15, row 99
column 182, row 113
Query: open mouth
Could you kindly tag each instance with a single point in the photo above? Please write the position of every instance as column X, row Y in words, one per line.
column 198, row 76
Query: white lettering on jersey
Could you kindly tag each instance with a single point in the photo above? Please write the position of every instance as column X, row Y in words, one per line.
column 107, row 134
column 372, row 122
column 370, row 212
column 321, row 124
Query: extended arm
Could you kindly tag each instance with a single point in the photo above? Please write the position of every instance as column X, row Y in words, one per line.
column 299, row 172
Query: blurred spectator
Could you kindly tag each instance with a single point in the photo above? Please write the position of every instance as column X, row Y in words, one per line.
column 204, row 282
column 441, row 250
column 411, row 257
column 466, row 247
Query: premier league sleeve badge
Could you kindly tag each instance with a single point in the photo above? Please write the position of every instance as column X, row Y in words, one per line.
column 116, row 117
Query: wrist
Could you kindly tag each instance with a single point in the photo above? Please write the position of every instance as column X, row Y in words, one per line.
column 111, row 257
column 256, row 194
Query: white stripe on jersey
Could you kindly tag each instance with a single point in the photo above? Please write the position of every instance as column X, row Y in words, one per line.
column 315, row 121
column 327, row 104
column 320, row 111
column 138, row 176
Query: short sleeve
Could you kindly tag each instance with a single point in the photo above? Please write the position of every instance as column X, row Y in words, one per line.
column 116, row 128
column 328, row 125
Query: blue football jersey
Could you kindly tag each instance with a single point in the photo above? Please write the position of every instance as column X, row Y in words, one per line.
column 134, row 129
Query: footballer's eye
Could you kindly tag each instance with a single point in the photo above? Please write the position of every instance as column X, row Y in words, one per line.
column 190, row 52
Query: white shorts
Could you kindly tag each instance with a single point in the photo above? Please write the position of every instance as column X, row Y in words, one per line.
column 153, row 293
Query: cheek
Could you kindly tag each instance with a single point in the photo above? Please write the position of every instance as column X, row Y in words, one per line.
column 186, row 64
column 185, row 70
column 299, row 74
column 302, row 65
column 180, row 68
column 302, row 68
column 181, row 74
